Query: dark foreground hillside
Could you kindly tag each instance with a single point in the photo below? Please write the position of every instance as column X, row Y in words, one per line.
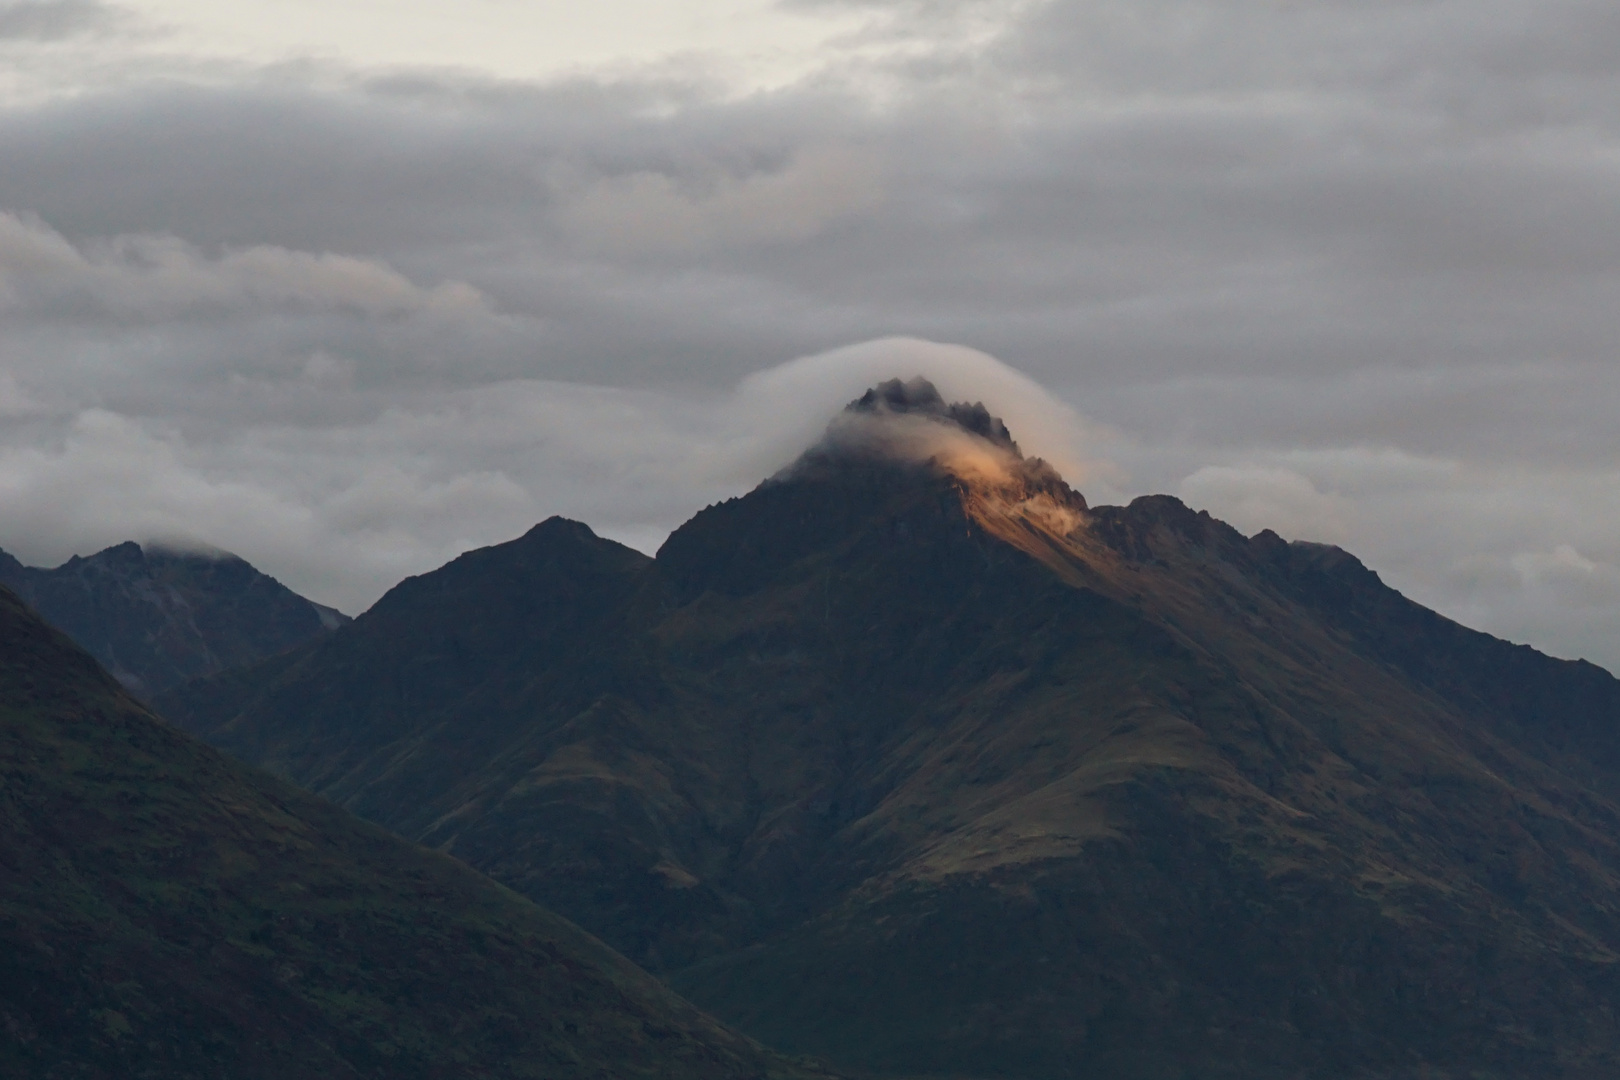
column 920, row 764
column 156, row 617
column 166, row 913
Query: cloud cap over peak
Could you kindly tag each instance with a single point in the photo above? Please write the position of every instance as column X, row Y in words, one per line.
column 909, row 422
column 919, row 397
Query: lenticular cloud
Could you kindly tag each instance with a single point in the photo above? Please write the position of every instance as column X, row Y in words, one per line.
column 787, row 407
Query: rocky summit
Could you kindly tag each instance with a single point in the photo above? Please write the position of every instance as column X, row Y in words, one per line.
column 156, row 616
column 912, row 760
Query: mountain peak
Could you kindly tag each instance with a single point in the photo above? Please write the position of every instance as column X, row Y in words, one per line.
column 159, row 613
column 184, row 549
column 558, row 529
column 919, row 397
column 909, row 423
column 937, row 773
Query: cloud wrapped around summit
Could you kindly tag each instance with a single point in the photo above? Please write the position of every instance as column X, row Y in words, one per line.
column 910, row 422
column 919, row 397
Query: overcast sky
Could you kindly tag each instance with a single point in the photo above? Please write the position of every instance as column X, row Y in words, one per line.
column 349, row 287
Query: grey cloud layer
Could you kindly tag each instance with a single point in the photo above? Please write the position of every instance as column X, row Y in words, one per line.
column 52, row 20
column 1344, row 269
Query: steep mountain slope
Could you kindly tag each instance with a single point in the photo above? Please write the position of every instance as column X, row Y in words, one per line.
column 168, row 913
column 156, row 617
column 911, row 759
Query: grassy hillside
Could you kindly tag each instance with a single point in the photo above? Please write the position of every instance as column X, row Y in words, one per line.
column 168, row 913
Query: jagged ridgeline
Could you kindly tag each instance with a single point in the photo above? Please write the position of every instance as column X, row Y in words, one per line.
column 157, row 615
column 167, row 913
column 911, row 759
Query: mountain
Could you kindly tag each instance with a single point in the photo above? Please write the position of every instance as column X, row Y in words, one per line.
column 168, row 913
column 911, row 759
column 157, row 616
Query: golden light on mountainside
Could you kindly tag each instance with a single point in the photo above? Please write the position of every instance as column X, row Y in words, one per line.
column 1022, row 500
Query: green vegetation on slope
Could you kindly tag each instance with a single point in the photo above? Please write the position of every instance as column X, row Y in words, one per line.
column 168, row 913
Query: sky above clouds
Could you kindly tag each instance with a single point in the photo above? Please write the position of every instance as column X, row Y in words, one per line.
column 349, row 288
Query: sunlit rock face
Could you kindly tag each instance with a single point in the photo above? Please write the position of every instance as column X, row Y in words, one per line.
column 910, row 759
column 156, row 615
column 1022, row 500
column 910, row 422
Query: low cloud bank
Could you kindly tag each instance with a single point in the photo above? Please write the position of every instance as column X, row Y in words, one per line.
column 343, row 510
column 1345, row 270
column 341, row 504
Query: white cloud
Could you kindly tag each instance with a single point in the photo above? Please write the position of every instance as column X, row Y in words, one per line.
column 1255, row 498
column 795, row 400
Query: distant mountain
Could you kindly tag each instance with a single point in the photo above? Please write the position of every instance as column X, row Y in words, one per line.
column 167, row 913
column 911, row 759
column 156, row 616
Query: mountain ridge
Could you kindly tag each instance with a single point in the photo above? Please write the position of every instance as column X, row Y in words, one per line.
column 911, row 759
column 158, row 615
